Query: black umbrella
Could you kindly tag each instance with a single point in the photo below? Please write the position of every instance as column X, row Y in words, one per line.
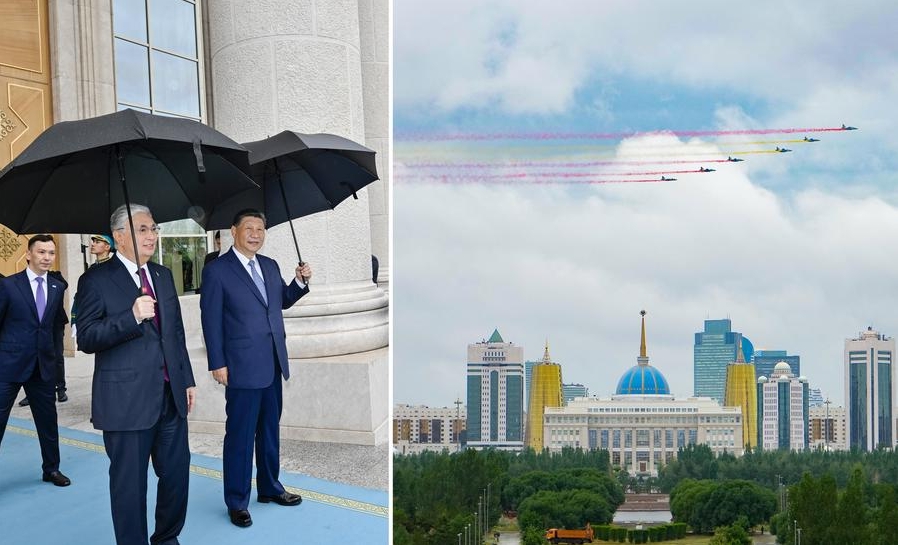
column 300, row 174
column 74, row 174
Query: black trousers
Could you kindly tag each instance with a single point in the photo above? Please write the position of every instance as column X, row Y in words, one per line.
column 43, row 407
column 129, row 455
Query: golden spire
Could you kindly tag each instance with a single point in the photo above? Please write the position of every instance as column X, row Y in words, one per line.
column 740, row 356
column 546, row 358
column 642, row 341
column 643, row 358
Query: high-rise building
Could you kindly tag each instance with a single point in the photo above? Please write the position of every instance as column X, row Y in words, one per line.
column 546, row 392
column 495, row 394
column 815, row 397
column 870, row 390
column 828, row 430
column 528, row 373
column 715, row 348
column 741, row 391
column 571, row 392
column 766, row 360
column 418, row 428
column 782, row 410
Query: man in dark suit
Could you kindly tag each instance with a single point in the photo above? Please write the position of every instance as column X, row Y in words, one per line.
column 216, row 243
column 30, row 308
column 143, row 387
column 242, row 304
column 58, row 346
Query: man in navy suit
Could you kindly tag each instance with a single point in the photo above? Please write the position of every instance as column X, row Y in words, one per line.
column 143, row 387
column 242, row 300
column 30, row 308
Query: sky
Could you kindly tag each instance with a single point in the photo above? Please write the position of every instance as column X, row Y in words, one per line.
column 797, row 249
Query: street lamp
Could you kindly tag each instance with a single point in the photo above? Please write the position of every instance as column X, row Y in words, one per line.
column 459, row 538
column 799, row 537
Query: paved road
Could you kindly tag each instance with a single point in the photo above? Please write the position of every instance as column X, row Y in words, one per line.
column 510, row 538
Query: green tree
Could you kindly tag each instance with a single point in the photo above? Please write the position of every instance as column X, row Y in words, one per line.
column 730, row 535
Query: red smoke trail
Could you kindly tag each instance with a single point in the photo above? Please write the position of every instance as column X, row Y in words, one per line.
column 602, row 136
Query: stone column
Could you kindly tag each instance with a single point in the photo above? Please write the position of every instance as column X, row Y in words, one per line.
column 296, row 65
column 83, row 85
column 374, row 23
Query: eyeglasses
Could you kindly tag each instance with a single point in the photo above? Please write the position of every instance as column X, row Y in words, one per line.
column 144, row 230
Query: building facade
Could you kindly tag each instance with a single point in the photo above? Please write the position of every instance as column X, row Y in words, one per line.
column 828, row 430
column 642, row 425
column 250, row 70
column 546, row 383
column 870, row 390
column 766, row 360
column 715, row 348
column 571, row 392
column 419, row 428
column 783, row 410
column 741, row 392
column 495, row 394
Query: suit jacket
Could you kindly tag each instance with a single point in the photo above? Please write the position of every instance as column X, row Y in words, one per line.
column 25, row 341
column 128, row 383
column 242, row 333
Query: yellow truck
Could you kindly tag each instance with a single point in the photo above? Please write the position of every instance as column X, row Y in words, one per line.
column 560, row 535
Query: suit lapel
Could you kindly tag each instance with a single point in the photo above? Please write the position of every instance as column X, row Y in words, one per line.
column 27, row 294
column 123, row 280
column 54, row 294
column 241, row 273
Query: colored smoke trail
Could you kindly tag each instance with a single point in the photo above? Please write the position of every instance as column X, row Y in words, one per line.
column 536, row 175
column 418, row 137
column 568, row 164
column 464, row 180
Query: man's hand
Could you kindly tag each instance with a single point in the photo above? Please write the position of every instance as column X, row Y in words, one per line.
column 144, row 308
column 303, row 273
column 191, row 398
column 221, row 375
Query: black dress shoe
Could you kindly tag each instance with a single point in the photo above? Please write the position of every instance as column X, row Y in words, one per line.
column 284, row 498
column 57, row 478
column 24, row 402
column 62, row 397
column 240, row 517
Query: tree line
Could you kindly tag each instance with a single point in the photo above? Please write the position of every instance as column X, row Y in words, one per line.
column 435, row 496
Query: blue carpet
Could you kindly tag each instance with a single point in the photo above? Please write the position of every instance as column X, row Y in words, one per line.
column 33, row 512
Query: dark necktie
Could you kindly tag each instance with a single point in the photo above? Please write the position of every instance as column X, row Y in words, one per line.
column 40, row 299
column 147, row 289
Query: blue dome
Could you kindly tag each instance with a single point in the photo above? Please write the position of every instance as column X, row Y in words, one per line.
column 642, row 380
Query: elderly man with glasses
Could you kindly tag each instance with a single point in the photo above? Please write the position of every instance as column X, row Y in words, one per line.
column 143, row 386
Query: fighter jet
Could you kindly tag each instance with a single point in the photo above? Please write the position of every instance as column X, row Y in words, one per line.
column 734, row 159
column 782, row 150
column 844, row 128
column 703, row 169
column 666, row 179
column 806, row 139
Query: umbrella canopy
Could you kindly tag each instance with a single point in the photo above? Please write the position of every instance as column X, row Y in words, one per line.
column 299, row 174
column 74, row 174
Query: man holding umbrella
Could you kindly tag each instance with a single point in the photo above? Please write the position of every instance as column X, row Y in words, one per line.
column 143, row 386
column 242, row 304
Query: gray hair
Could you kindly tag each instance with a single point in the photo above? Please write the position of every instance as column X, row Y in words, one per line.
column 119, row 217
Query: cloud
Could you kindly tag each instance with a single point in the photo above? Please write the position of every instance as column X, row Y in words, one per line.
column 533, row 57
column 799, row 272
